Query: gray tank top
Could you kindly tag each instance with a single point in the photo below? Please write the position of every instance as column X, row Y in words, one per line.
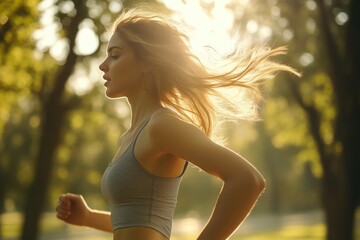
column 138, row 198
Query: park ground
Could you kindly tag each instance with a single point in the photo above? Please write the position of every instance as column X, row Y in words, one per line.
column 299, row 226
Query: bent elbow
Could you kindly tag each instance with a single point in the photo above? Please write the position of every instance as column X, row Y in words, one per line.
column 252, row 183
column 258, row 183
column 261, row 183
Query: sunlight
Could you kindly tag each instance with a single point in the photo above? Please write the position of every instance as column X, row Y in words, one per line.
column 86, row 41
column 47, row 37
column 82, row 81
column 205, row 28
column 79, row 83
column 59, row 50
column 211, row 23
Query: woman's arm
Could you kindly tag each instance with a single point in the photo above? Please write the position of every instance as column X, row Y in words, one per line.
column 242, row 182
column 73, row 209
column 237, row 198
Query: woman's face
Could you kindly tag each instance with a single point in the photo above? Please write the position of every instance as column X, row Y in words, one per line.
column 122, row 70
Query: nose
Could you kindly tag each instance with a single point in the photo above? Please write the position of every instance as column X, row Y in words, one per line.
column 102, row 66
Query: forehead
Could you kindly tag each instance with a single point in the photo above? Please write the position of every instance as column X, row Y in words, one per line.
column 118, row 41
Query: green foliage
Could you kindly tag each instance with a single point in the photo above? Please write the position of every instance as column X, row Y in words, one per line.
column 19, row 68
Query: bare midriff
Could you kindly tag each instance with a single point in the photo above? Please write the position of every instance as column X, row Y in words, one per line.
column 136, row 233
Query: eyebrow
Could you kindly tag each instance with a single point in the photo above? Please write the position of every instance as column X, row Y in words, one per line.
column 113, row 47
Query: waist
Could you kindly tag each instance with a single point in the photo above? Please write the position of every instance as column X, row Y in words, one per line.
column 136, row 233
column 156, row 218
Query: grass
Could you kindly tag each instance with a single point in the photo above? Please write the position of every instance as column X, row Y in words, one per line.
column 55, row 229
column 312, row 232
column 303, row 232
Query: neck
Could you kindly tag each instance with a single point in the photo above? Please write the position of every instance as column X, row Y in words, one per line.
column 142, row 106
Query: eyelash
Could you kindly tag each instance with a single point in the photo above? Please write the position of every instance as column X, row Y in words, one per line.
column 114, row 57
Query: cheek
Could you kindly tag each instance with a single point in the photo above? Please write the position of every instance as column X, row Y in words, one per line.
column 128, row 72
column 124, row 79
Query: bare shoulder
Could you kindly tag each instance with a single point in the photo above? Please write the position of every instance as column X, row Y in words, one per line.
column 167, row 122
column 171, row 134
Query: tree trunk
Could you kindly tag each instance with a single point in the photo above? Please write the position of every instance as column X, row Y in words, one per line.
column 340, row 181
column 2, row 197
column 53, row 115
column 339, row 208
column 36, row 198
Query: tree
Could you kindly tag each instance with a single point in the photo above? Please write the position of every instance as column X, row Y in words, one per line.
column 339, row 158
column 328, row 97
column 53, row 112
column 16, row 50
column 320, row 112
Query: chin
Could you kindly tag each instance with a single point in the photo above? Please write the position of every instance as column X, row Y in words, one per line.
column 112, row 95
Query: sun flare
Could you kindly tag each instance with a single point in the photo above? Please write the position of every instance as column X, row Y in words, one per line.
column 204, row 28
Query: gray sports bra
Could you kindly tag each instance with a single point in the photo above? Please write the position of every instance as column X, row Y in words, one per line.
column 138, row 198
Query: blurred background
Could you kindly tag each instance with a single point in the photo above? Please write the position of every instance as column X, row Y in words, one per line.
column 58, row 131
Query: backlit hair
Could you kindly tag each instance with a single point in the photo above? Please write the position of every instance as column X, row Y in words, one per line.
column 197, row 92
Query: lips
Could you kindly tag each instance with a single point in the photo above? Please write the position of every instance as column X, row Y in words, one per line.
column 107, row 80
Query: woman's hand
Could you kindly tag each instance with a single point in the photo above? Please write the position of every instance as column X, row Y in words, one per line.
column 72, row 208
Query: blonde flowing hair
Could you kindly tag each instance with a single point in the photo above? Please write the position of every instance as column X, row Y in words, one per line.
column 186, row 84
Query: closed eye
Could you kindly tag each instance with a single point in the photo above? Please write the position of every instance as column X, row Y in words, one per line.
column 114, row 57
column 112, row 52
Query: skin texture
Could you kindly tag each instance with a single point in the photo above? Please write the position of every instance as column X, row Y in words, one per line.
column 161, row 149
column 122, row 70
